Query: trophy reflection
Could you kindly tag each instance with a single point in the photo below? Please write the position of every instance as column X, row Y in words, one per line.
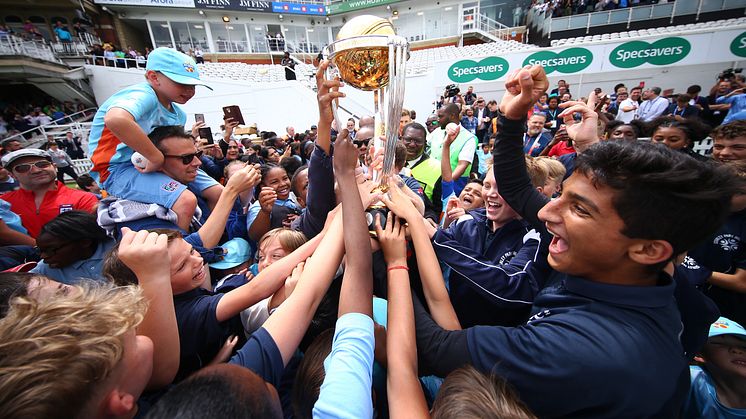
column 369, row 56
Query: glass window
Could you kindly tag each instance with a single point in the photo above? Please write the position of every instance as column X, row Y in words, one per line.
column 229, row 37
column 161, row 36
column 295, row 38
column 258, row 35
column 188, row 35
column 317, row 37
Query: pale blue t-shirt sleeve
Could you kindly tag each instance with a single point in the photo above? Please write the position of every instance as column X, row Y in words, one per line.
column 252, row 213
column 346, row 391
column 140, row 102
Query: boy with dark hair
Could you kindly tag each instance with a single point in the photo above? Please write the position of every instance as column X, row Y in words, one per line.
column 121, row 126
column 609, row 305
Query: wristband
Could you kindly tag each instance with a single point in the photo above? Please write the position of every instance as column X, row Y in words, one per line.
column 391, row 268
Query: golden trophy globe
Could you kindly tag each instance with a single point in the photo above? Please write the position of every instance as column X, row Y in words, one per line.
column 368, row 55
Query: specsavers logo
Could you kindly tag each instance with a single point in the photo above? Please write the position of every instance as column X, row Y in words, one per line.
column 490, row 68
column 570, row 60
column 661, row 52
column 738, row 46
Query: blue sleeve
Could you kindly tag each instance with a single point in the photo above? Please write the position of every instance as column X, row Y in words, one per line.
column 138, row 102
column 235, row 226
column 514, row 283
column 320, row 198
column 447, row 192
column 415, row 186
column 512, row 177
column 346, row 391
column 194, row 239
column 251, row 214
column 261, row 355
column 211, row 168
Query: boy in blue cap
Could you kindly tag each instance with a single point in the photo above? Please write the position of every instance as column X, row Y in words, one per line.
column 121, row 127
column 719, row 384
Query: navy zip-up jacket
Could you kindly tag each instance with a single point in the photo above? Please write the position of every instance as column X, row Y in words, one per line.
column 495, row 275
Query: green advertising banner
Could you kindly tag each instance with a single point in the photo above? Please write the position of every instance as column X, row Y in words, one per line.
column 664, row 51
column 490, row 68
column 350, row 5
column 568, row 61
column 738, row 46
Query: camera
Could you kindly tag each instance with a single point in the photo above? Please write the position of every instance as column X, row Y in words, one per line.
column 452, row 90
column 729, row 73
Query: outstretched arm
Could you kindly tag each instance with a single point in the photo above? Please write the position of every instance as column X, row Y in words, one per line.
column 405, row 396
column 146, row 254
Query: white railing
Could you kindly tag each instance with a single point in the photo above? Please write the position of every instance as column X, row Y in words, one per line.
column 492, row 27
column 77, row 126
column 547, row 24
column 14, row 45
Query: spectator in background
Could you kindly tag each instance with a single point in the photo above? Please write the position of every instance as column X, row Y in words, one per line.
column 199, row 55
column 536, row 137
column 289, row 65
column 79, row 29
column 37, row 176
column 700, row 102
column 653, row 104
column 619, row 86
column 431, row 123
column 629, row 106
column 469, row 121
column 63, row 35
column 718, row 110
column 681, row 109
column 470, row 96
column 619, row 95
column 7, row 182
column 31, row 31
column 552, row 119
column 562, row 88
column 736, row 100
column 72, row 146
column 729, row 142
column 483, row 118
column 11, row 145
column 63, row 162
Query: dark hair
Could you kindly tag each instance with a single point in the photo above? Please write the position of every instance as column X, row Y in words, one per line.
column 291, row 164
column 264, row 170
column 683, row 98
column 119, row 273
column 73, row 226
column 693, row 129
column 416, row 126
column 218, row 391
column 452, row 110
column 656, row 90
column 659, row 190
column 310, row 375
column 295, row 176
column 264, row 152
column 168, row 131
column 635, row 88
column 13, row 284
column 618, row 86
column 400, row 154
column 729, row 131
column 693, row 89
column 84, row 181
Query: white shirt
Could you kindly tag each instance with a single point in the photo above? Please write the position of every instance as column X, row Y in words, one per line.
column 651, row 109
column 628, row 116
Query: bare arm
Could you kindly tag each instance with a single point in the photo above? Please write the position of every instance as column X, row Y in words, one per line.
column 147, row 255
column 213, row 228
column 328, row 91
column 9, row 237
column 266, row 283
column 405, row 396
column 734, row 282
column 356, row 295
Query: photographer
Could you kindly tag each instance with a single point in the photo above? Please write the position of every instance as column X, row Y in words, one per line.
column 452, row 94
column 723, row 87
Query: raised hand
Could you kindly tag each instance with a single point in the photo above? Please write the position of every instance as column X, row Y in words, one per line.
column 399, row 203
column 196, row 127
column 523, row 88
column 585, row 132
column 345, row 155
column 267, row 198
column 327, row 91
column 246, row 178
column 392, row 240
column 144, row 253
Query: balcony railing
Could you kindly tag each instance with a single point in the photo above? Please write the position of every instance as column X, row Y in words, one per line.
column 14, row 45
column 547, row 24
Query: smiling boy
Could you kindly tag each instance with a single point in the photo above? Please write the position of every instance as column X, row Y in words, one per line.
column 605, row 336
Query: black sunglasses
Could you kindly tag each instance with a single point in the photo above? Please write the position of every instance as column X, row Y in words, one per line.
column 185, row 158
column 25, row 167
column 360, row 143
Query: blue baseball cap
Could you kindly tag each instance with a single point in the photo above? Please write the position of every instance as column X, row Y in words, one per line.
column 235, row 252
column 175, row 65
column 724, row 326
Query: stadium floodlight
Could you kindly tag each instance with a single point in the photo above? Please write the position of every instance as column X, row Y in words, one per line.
column 226, row 19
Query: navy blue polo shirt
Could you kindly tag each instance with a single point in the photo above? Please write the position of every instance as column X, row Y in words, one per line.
column 725, row 251
column 201, row 335
column 261, row 355
column 592, row 350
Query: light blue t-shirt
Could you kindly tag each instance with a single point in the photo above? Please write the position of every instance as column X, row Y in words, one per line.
column 82, row 270
column 10, row 218
column 254, row 208
column 346, row 392
column 139, row 100
column 702, row 401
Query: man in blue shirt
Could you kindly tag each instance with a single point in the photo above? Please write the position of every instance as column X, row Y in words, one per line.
column 607, row 321
column 737, row 101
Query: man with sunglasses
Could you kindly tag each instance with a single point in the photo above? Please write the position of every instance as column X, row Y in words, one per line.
column 41, row 197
